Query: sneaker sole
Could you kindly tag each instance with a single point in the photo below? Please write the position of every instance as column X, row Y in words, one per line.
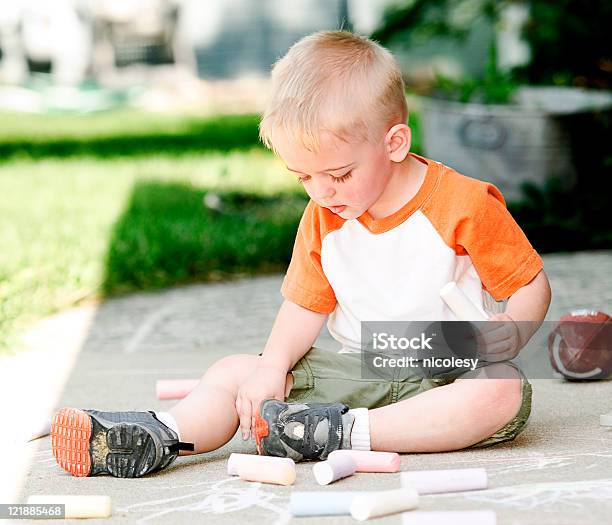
column 87, row 445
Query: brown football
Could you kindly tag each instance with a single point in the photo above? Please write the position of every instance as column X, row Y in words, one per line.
column 580, row 345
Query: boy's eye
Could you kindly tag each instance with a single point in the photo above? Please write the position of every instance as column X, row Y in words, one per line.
column 342, row 178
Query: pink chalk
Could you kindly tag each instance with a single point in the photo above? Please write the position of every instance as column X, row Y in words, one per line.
column 371, row 461
column 174, row 388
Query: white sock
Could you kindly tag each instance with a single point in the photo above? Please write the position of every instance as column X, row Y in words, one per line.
column 167, row 419
column 360, row 433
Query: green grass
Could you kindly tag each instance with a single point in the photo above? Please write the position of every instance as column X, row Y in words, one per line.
column 124, row 133
column 168, row 235
column 100, row 205
column 84, row 228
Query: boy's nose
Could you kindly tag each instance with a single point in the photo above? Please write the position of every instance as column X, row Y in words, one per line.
column 323, row 192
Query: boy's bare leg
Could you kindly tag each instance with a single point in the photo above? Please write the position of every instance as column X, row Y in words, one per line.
column 207, row 417
column 448, row 417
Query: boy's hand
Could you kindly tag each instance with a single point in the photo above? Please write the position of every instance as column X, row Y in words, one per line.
column 499, row 339
column 265, row 383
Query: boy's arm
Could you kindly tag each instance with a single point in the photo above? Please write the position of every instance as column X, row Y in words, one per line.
column 528, row 303
column 294, row 331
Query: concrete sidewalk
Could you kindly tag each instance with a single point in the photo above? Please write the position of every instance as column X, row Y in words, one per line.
column 559, row 470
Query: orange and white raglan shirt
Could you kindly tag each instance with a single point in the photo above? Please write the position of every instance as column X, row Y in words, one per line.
column 392, row 269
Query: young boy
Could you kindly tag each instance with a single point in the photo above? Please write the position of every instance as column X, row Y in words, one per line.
column 383, row 232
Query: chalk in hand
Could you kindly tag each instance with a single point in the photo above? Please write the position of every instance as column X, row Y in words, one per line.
column 460, row 304
column 77, row 506
column 335, row 468
column 438, row 481
column 444, row 517
column 381, row 503
column 266, row 471
column 322, row 503
column 174, row 388
column 371, row 461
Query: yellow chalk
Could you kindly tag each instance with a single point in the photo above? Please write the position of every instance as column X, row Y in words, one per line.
column 280, row 473
column 78, row 506
column 236, row 461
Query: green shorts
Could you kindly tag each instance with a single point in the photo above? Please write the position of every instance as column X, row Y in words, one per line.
column 326, row 376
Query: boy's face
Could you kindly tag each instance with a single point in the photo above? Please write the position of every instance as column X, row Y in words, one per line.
column 347, row 178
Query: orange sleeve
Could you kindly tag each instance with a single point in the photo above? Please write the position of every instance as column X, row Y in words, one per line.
column 500, row 251
column 305, row 282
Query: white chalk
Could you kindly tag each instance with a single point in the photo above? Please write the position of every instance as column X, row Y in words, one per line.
column 78, row 506
column 381, row 503
column 279, row 473
column 236, row 460
column 371, row 461
column 606, row 420
column 460, row 304
column 322, row 503
column 174, row 388
column 437, row 481
column 333, row 469
column 454, row 517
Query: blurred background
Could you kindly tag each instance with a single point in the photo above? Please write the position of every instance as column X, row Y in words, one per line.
column 129, row 157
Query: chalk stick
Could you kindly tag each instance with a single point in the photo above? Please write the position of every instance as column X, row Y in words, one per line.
column 321, row 503
column 460, row 304
column 438, row 481
column 606, row 420
column 371, row 461
column 78, row 506
column 445, row 517
column 236, row 460
column 282, row 473
column 334, row 469
column 174, row 388
column 381, row 503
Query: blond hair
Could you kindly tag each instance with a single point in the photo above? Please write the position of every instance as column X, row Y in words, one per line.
column 335, row 81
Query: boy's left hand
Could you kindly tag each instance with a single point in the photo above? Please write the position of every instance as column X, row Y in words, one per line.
column 499, row 338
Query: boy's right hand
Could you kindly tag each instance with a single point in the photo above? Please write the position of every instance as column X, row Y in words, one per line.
column 266, row 382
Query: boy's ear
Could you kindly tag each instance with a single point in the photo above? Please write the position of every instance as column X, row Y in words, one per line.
column 398, row 142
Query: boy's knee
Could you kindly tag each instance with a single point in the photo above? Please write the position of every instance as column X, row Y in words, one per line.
column 507, row 409
column 500, row 399
column 507, row 398
column 231, row 369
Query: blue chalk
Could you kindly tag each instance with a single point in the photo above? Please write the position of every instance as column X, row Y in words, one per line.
column 319, row 503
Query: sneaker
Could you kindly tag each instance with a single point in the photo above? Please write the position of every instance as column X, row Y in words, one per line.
column 122, row 444
column 302, row 430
